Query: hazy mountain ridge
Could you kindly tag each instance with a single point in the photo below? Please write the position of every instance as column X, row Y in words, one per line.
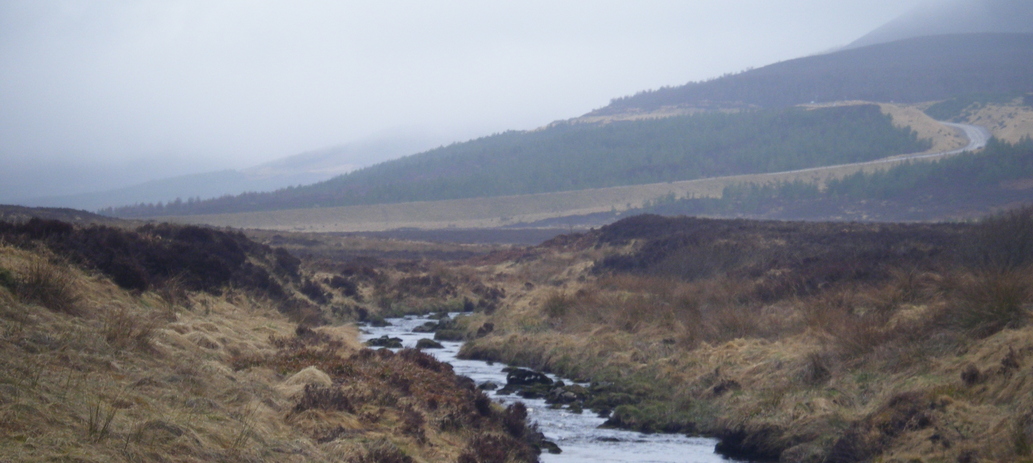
column 955, row 17
column 911, row 71
column 300, row 169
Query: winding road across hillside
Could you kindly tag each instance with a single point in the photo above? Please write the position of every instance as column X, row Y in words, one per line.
column 977, row 136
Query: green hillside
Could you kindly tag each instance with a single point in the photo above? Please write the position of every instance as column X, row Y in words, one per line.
column 566, row 156
column 963, row 186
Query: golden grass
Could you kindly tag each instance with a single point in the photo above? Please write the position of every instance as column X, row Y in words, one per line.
column 123, row 382
column 820, row 371
column 943, row 138
column 135, row 377
column 1010, row 122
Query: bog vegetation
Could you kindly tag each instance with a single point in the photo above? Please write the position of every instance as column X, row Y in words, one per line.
column 567, row 156
column 173, row 343
column 839, row 342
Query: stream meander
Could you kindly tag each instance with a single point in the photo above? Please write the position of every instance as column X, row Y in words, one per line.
column 578, row 435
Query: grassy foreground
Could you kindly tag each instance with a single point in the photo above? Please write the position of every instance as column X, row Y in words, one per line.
column 142, row 350
column 817, row 342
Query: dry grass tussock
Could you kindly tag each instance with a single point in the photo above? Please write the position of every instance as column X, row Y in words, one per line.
column 48, row 284
column 918, row 359
column 103, row 374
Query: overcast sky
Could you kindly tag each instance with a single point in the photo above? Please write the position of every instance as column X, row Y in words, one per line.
column 143, row 90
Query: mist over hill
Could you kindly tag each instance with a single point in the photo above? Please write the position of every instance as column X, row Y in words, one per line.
column 908, row 71
column 763, row 134
column 955, row 17
column 300, row 169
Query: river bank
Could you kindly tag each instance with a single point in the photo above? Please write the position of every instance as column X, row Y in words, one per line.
column 813, row 342
column 185, row 344
column 579, row 435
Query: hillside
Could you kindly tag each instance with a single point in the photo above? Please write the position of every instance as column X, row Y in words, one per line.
column 573, row 156
column 962, row 187
column 907, row 71
column 975, row 187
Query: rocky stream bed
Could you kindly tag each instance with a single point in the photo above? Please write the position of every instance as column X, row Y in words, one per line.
column 558, row 406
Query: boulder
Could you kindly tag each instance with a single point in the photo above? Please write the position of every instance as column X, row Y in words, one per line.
column 428, row 327
column 521, row 377
column 385, row 341
column 426, row 343
column 450, row 335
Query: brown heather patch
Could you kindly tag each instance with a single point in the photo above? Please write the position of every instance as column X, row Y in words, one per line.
column 203, row 377
column 832, row 342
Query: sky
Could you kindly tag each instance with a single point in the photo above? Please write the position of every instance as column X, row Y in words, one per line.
column 101, row 94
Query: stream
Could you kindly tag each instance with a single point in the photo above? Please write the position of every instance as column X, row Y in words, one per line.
column 578, row 435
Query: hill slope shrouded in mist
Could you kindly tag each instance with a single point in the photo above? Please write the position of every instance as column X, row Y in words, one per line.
column 907, row 71
column 955, row 17
column 577, row 156
column 565, row 157
column 300, row 169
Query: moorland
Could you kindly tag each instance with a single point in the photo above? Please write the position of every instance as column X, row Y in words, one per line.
column 796, row 341
column 181, row 343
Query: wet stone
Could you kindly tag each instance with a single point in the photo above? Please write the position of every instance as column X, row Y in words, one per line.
column 523, row 377
column 385, row 341
column 428, row 327
column 428, row 344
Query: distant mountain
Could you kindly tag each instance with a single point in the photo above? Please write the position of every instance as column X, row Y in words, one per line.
column 946, row 17
column 909, row 71
column 300, row 169
column 576, row 156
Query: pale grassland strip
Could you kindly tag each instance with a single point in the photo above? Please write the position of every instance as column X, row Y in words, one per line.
column 501, row 211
